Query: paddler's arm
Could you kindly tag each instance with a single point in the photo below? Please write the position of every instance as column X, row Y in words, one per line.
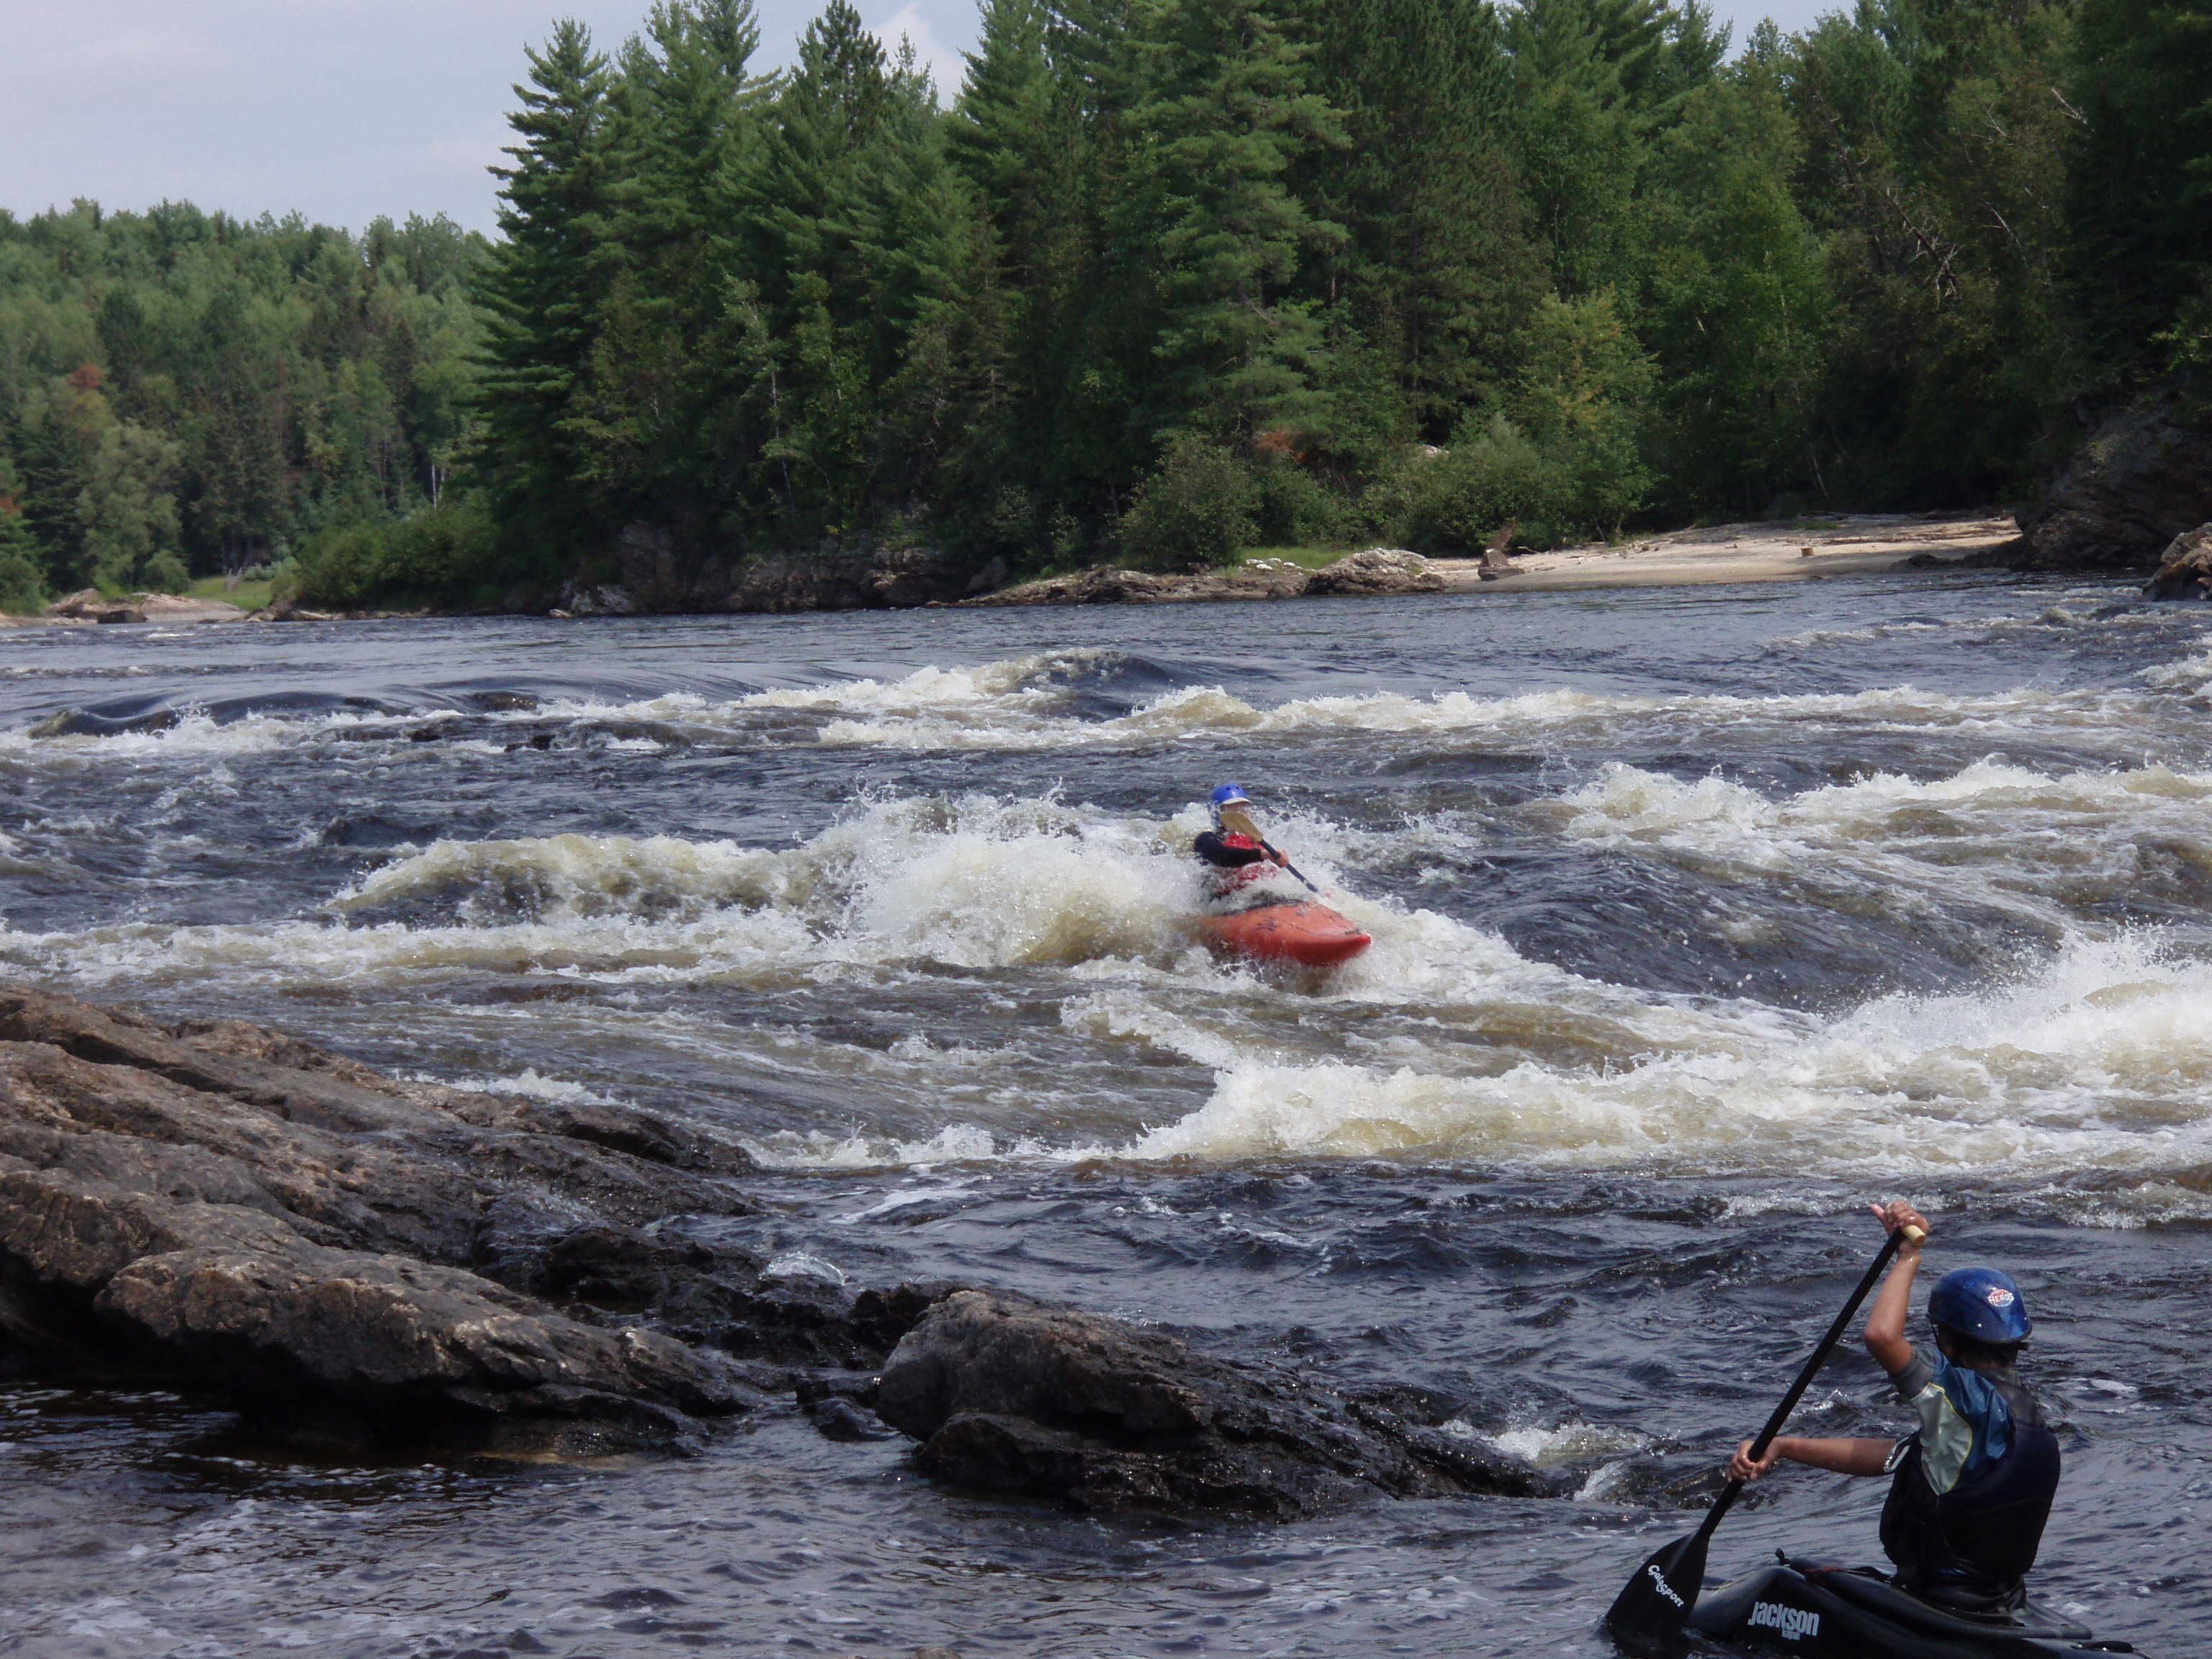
column 1885, row 1327
column 1842, row 1457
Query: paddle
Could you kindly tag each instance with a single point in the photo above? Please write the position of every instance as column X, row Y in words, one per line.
column 1648, row 1617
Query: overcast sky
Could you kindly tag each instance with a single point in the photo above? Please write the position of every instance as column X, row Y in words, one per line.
column 343, row 109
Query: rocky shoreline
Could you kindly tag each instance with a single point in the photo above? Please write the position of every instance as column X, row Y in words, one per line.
column 405, row 1269
column 1852, row 545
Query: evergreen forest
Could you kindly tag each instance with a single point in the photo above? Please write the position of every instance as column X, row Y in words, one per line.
column 1160, row 281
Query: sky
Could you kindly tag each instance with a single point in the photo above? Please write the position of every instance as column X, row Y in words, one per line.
column 345, row 109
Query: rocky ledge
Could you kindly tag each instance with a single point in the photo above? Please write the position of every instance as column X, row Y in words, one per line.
column 2142, row 477
column 1009, row 1396
column 1378, row 570
column 91, row 606
column 2185, row 570
column 396, row 1265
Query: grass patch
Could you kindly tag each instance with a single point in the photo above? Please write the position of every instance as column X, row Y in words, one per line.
column 1309, row 558
column 248, row 596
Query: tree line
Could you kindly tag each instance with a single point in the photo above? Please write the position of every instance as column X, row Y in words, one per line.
column 184, row 393
column 1166, row 279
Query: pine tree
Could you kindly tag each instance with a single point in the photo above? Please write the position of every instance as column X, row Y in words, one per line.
column 683, row 126
column 1227, row 110
column 544, row 294
column 1435, row 274
column 2140, row 185
column 1737, row 303
column 23, row 573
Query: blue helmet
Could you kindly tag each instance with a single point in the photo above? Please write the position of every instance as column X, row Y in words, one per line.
column 1230, row 793
column 1980, row 1303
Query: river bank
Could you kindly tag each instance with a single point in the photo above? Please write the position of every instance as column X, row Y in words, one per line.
column 1850, row 545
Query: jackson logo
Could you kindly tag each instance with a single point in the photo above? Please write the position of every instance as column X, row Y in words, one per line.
column 1791, row 1623
column 1665, row 1589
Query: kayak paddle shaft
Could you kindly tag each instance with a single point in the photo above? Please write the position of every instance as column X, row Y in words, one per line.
column 1648, row 1617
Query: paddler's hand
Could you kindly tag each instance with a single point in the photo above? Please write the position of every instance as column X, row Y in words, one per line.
column 1897, row 1216
column 1741, row 1467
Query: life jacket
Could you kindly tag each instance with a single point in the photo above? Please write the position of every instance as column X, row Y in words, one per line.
column 1231, row 854
column 1233, row 861
column 1971, row 1548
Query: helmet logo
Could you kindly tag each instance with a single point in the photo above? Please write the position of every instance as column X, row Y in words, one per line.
column 1999, row 1297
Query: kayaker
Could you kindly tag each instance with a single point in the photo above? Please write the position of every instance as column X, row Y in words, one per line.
column 1971, row 1489
column 1240, row 866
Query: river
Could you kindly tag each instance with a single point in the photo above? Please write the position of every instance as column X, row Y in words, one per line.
column 1701, row 915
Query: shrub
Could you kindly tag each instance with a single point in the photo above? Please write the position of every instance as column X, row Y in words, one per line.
column 165, row 572
column 438, row 551
column 1196, row 509
column 1291, row 508
column 1452, row 504
column 22, row 583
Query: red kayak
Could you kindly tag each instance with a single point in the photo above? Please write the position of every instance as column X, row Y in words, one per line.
column 1307, row 933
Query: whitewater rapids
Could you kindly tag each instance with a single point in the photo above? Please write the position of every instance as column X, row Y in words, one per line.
column 1700, row 919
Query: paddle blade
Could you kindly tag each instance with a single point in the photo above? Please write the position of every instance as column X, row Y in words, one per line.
column 1647, row 1619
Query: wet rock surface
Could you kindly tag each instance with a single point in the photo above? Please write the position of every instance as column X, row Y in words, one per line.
column 348, row 1257
column 222, row 1205
column 1377, row 570
column 659, row 571
column 2185, row 570
column 2143, row 477
column 1009, row 1396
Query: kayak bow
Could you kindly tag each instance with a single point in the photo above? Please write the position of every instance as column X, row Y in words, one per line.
column 1305, row 932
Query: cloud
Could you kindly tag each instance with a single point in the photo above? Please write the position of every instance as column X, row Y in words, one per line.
column 914, row 23
column 340, row 109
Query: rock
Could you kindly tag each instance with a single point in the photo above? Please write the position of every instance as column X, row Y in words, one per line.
column 1009, row 1396
column 1113, row 585
column 76, row 605
column 2143, row 477
column 2185, row 570
column 661, row 571
column 116, row 612
column 221, row 1205
column 292, row 611
column 1102, row 584
column 177, row 608
column 1378, row 570
column 991, row 576
column 607, row 599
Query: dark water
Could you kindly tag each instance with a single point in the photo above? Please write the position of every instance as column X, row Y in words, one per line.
column 1702, row 917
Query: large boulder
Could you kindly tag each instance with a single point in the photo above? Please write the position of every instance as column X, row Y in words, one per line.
column 660, row 570
column 1378, row 570
column 2185, row 570
column 2143, row 477
column 1114, row 585
column 1011, row 1396
column 230, row 1207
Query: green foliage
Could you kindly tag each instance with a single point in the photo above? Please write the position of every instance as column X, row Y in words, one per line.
column 1453, row 502
column 434, row 553
column 1197, row 509
column 182, row 391
column 129, row 512
column 1167, row 277
column 2140, row 185
column 22, row 579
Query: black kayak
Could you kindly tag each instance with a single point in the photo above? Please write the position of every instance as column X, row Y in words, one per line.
column 1830, row 1611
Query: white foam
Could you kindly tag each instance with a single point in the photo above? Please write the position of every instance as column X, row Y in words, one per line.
column 2102, row 1059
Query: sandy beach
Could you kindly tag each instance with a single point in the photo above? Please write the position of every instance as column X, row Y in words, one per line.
column 1849, row 545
